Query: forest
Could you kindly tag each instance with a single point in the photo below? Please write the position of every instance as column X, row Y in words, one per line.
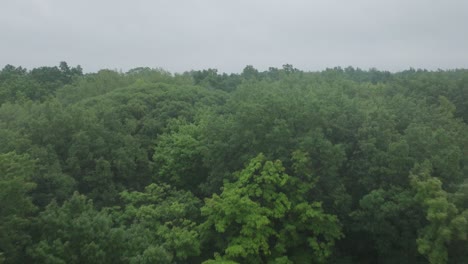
column 281, row 166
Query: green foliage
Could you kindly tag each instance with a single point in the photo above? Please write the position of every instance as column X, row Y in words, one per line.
column 390, row 218
column 178, row 157
column 445, row 221
column 358, row 166
column 17, row 84
column 154, row 226
column 257, row 220
column 76, row 233
column 161, row 224
column 16, row 207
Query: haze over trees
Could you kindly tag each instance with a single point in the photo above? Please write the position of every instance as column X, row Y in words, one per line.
column 278, row 166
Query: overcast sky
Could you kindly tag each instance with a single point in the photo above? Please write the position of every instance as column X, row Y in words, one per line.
column 228, row 35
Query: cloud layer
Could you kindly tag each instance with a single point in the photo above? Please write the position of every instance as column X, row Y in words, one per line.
column 182, row 35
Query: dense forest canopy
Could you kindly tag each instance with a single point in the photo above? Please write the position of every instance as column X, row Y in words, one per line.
column 278, row 166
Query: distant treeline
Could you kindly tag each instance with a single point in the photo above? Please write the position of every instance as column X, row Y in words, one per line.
column 280, row 166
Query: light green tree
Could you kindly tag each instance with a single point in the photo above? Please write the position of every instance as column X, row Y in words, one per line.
column 258, row 219
column 446, row 222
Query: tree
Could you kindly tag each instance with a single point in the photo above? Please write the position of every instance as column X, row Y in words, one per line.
column 160, row 225
column 446, row 223
column 16, row 207
column 388, row 219
column 178, row 157
column 258, row 219
column 77, row 233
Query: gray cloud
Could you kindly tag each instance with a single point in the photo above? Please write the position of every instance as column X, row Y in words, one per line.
column 181, row 35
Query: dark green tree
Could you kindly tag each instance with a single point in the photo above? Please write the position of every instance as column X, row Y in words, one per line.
column 16, row 207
